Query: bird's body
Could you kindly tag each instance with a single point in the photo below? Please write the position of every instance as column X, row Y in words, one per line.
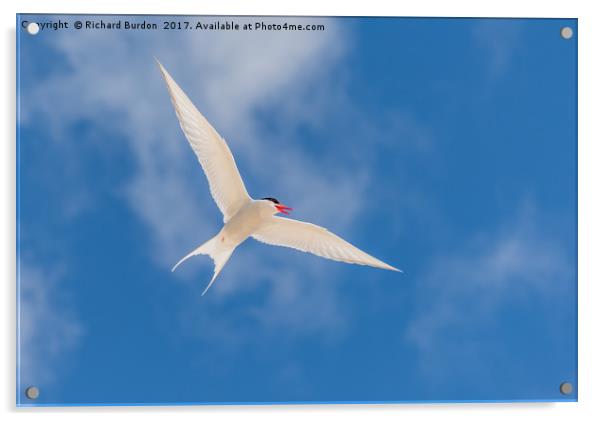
column 245, row 217
column 247, row 220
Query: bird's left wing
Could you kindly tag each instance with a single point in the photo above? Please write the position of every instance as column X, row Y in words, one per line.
column 314, row 239
column 225, row 183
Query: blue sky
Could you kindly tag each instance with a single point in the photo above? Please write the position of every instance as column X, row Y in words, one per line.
column 445, row 147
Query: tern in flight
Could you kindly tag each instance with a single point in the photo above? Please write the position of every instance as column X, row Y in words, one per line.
column 245, row 217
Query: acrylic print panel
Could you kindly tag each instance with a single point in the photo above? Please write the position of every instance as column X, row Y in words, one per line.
column 445, row 148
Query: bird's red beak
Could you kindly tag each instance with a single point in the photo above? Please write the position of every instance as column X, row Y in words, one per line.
column 284, row 209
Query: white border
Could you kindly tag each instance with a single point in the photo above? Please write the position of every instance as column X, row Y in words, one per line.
column 590, row 204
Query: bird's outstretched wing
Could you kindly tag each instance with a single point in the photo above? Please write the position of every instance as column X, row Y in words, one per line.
column 314, row 239
column 225, row 183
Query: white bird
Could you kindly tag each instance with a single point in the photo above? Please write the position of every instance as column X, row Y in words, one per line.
column 245, row 217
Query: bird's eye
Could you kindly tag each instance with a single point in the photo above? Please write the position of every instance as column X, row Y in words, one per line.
column 271, row 199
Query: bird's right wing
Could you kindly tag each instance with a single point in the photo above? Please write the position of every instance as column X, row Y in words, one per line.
column 314, row 239
column 225, row 183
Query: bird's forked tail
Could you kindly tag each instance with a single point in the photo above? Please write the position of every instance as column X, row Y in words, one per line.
column 220, row 256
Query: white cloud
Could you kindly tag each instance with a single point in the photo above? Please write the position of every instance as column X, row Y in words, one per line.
column 499, row 40
column 48, row 329
column 464, row 292
column 112, row 81
column 231, row 77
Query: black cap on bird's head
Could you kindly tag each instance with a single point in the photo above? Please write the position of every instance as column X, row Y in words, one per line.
column 281, row 208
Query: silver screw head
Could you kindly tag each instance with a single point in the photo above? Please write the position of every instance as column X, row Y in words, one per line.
column 32, row 392
column 33, row 28
column 566, row 388
column 566, row 32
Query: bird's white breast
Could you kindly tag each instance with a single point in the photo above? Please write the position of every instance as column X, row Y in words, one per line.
column 245, row 222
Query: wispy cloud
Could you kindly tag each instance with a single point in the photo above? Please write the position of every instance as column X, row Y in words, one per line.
column 499, row 40
column 111, row 81
column 48, row 328
column 231, row 78
column 465, row 291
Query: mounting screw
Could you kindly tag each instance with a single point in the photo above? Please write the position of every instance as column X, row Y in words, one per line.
column 33, row 28
column 566, row 388
column 32, row 392
column 566, row 32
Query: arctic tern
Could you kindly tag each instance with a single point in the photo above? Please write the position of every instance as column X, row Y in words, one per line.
column 245, row 217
